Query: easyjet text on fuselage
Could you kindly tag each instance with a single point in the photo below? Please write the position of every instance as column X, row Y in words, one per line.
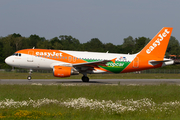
column 48, row 54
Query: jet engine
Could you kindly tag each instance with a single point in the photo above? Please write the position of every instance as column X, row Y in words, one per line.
column 64, row 71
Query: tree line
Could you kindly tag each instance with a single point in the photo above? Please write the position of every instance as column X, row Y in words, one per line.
column 14, row 42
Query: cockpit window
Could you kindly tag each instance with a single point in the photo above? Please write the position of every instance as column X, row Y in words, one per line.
column 17, row 54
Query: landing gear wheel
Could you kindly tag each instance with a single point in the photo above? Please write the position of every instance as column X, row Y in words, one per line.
column 30, row 72
column 85, row 79
column 29, row 77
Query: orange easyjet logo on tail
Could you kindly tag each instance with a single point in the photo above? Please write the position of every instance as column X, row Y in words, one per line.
column 158, row 41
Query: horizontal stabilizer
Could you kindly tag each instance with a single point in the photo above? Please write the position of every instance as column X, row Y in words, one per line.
column 161, row 61
column 155, row 62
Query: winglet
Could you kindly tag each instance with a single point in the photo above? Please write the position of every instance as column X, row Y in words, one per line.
column 113, row 60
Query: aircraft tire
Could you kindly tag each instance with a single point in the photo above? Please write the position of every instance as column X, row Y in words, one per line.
column 85, row 79
column 29, row 77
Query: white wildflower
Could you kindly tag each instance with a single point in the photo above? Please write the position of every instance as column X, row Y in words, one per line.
column 120, row 106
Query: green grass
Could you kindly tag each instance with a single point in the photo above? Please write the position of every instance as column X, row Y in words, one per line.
column 14, row 75
column 158, row 94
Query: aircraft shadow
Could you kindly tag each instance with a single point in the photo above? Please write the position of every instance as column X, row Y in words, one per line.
column 80, row 82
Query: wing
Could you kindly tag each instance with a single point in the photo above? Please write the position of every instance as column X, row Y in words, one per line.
column 84, row 67
column 102, row 63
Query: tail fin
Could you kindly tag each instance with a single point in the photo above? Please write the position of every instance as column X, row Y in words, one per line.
column 158, row 45
column 152, row 55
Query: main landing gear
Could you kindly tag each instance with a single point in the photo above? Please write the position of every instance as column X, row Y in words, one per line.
column 30, row 72
column 85, row 78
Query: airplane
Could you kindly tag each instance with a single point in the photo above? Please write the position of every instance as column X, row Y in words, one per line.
column 65, row 63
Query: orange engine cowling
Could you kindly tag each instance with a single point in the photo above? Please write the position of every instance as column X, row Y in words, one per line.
column 64, row 71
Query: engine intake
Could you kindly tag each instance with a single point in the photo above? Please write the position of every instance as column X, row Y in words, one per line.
column 64, row 71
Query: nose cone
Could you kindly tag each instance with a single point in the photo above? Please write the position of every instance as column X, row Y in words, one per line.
column 8, row 61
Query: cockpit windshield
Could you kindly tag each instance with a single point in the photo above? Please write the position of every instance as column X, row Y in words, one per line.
column 17, row 54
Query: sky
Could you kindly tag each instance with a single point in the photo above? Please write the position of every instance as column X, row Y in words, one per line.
column 108, row 20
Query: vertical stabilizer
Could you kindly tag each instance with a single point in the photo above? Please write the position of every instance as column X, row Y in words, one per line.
column 158, row 45
column 154, row 51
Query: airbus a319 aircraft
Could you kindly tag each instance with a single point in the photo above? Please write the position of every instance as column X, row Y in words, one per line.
column 65, row 63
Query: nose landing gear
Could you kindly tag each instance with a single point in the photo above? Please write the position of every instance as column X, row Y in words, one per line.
column 29, row 77
column 30, row 72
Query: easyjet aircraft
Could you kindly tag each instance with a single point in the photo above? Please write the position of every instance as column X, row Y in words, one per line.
column 65, row 63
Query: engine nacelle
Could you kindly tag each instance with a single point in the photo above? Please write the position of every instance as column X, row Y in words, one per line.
column 64, row 71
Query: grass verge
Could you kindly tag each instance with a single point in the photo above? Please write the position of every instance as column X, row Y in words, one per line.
column 89, row 102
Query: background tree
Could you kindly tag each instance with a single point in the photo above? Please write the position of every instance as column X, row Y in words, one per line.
column 8, row 45
column 46, row 44
column 34, row 39
column 128, row 45
column 173, row 47
column 56, row 43
column 1, row 52
column 140, row 43
column 94, row 45
column 69, row 43
column 110, row 47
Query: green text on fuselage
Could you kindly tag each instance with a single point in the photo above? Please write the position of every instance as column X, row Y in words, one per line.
column 116, row 67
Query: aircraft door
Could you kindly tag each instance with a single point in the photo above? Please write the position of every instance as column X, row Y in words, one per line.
column 30, row 56
column 136, row 62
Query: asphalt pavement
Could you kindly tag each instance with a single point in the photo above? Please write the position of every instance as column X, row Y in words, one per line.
column 92, row 81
